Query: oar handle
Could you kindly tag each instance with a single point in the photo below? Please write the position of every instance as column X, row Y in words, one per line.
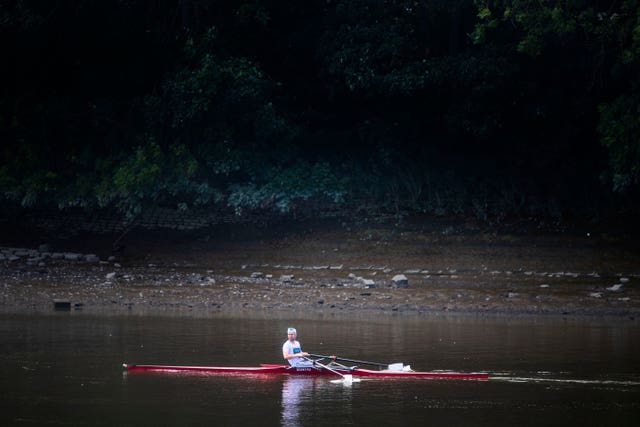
column 363, row 362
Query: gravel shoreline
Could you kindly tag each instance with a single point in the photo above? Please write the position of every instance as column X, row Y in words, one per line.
column 220, row 281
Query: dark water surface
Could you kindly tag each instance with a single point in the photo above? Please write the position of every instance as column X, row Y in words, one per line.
column 65, row 369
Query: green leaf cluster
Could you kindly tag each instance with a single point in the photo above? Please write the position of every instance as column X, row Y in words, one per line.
column 439, row 106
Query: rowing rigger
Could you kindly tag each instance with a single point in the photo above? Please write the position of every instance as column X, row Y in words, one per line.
column 332, row 368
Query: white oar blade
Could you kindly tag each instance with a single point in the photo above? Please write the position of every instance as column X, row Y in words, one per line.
column 347, row 380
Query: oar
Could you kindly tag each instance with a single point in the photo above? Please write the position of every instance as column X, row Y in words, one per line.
column 362, row 362
column 347, row 378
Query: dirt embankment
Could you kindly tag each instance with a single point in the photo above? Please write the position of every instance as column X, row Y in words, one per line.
column 447, row 269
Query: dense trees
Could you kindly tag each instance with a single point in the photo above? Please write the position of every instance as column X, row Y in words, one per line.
column 598, row 42
column 486, row 108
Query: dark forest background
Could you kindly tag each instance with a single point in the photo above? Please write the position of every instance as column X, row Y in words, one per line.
column 490, row 109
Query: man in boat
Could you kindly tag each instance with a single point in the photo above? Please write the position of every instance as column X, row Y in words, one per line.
column 292, row 351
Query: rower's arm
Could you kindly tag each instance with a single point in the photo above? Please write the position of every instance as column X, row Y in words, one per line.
column 288, row 356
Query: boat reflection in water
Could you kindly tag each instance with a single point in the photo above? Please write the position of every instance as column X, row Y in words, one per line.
column 300, row 394
column 294, row 390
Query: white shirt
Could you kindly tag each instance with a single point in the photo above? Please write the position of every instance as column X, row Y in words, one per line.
column 293, row 347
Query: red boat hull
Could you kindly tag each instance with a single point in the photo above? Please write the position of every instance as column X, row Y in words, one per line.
column 284, row 369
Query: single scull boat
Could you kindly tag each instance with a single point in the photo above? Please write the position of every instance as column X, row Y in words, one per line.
column 334, row 368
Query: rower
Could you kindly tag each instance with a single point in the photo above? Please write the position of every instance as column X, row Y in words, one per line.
column 292, row 351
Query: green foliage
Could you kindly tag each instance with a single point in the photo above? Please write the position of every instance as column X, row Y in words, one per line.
column 252, row 13
column 362, row 51
column 208, row 90
column 608, row 34
column 149, row 176
column 539, row 25
column 538, row 21
column 25, row 176
column 392, row 47
column 286, row 185
column 619, row 129
column 272, row 127
column 264, row 105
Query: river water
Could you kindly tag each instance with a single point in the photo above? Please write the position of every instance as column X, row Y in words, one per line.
column 66, row 369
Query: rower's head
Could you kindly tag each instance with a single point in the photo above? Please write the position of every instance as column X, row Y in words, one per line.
column 292, row 333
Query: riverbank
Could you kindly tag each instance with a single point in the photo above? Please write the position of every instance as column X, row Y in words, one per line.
column 448, row 269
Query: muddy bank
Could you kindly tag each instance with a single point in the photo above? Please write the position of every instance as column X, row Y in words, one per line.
column 330, row 269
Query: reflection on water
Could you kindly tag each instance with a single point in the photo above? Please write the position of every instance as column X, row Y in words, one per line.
column 302, row 397
column 294, row 390
column 66, row 369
